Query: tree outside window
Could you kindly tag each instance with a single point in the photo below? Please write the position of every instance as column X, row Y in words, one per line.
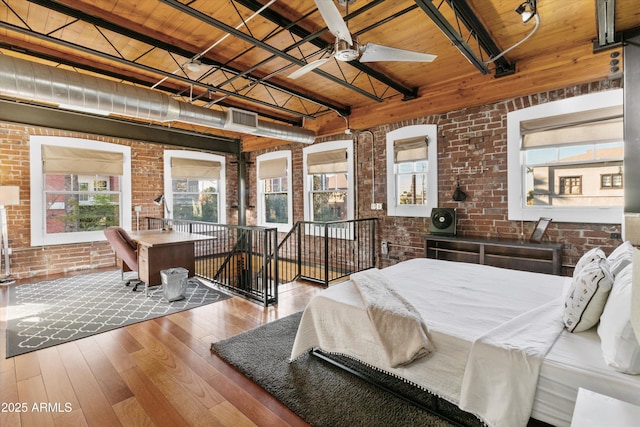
column 329, row 197
column 195, row 199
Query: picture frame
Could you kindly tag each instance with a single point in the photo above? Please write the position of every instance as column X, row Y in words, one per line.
column 540, row 229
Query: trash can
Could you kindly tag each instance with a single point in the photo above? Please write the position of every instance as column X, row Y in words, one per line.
column 174, row 283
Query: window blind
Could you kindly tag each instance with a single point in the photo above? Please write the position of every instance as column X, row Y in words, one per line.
column 410, row 149
column 595, row 126
column 66, row 160
column 332, row 161
column 193, row 168
column 274, row 168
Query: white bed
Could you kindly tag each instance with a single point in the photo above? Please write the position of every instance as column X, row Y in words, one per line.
column 460, row 303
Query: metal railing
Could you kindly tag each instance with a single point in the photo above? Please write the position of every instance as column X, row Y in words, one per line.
column 249, row 261
column 241, row 259
column 324, row 252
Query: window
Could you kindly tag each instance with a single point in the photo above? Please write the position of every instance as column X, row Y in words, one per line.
column 194, row 186
column 613, row 180
column 78, row 188
column 563, row 157
column 275, row 204
column 412, row 169
column 570, row 185
column 329, row 181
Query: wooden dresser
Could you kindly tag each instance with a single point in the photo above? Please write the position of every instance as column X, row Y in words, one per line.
column 517, row 255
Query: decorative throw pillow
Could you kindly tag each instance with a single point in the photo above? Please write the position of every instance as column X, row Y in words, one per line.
column 588, row 257
column 587, row 296
column 620, row 257
column 620, row 348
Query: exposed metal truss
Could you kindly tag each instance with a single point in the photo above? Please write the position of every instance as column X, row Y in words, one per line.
column 484, row 47
column 158, row 44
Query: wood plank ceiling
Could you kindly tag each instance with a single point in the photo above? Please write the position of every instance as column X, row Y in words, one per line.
column 246, row 56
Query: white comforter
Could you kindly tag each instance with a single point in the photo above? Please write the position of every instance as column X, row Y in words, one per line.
column 459, row 303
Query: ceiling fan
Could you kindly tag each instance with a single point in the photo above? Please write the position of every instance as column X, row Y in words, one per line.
column 346, row 48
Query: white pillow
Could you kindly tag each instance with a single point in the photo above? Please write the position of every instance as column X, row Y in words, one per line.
column 587, row 296
column 620, row 257
column 620, row 348
column 588, row 257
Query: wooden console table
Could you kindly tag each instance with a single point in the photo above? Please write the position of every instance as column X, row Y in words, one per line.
column 536, row 257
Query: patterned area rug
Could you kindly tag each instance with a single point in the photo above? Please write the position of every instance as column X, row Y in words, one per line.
column 56, row 311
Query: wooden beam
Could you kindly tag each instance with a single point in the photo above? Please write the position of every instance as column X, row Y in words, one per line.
column 555, row 70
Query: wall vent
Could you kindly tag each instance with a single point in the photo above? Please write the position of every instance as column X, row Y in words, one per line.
column 240, row 120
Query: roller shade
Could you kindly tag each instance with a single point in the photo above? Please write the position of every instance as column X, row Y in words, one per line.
column 65, row 160
column 410, row 149
column 333, row 161
column 275, row 168
column 603, row 125
column 193, row 168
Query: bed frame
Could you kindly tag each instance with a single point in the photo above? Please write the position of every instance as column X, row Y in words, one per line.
column 408, row 392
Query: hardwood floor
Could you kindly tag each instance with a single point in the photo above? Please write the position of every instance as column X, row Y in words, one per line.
column 159, row 372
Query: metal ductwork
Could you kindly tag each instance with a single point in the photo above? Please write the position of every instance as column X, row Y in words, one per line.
column 82, row 92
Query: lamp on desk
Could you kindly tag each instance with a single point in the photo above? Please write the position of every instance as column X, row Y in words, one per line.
column 160, row 200
column 9, row 195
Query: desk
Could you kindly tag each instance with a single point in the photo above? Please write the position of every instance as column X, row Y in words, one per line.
column 159, row 250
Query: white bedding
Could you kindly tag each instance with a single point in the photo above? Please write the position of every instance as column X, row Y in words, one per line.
column 574, row 361
column 459, row 303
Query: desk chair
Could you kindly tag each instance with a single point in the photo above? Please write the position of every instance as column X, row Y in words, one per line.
column 126, row 250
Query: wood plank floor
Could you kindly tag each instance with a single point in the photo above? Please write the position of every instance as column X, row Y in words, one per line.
column 159, row 372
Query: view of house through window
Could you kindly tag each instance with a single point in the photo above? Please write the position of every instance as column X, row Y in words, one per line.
column 584, row 174
column 79, row 187
column 565, row 159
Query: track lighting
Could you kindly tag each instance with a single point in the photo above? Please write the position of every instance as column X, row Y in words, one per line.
column 527, row 10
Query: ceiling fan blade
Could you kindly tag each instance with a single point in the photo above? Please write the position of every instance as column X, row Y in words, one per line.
column 372, row 52
column 310, row 66
column 333, row 19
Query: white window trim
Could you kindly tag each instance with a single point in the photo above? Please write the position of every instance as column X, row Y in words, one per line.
column 517, row 210
column 195, row 155
column 38, row 225
column 282, row 227
column 328, row 146
column 393, row 208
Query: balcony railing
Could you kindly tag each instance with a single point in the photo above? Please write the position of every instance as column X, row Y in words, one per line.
column 249, row 261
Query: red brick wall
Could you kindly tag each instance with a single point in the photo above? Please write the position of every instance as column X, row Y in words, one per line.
column 472, row 147
column 147, row 183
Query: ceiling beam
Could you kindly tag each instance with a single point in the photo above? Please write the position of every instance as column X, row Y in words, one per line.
column 314, row 39
column 262, row 45
column 152, row 41
column 124, row 77
column 463, row 12
column 126, row 62
column 49, row 117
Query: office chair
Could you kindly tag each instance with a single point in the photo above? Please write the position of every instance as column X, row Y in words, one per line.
column 126, row 250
